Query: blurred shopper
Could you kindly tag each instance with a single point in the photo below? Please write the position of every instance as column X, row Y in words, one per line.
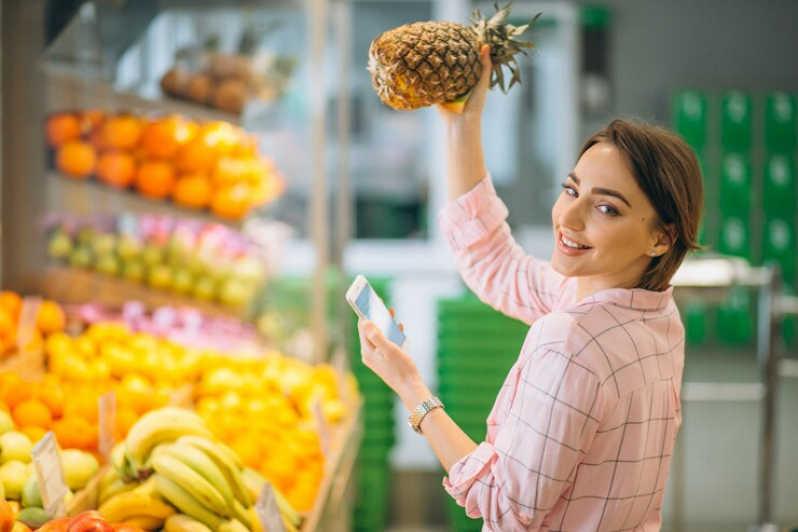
column 582, row 432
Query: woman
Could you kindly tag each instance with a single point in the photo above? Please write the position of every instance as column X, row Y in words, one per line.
column 581, row 434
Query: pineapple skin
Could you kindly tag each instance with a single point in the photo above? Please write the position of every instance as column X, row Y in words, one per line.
column 424, row 63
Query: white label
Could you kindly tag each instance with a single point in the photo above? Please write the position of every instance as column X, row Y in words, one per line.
column 268, row 513
column 50, row 473
column 27, row 321
column 107, row 422
column 128, row 225
column 324, row 429
column 340, row 364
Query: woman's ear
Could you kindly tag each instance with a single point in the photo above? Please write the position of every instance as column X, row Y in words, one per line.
column 665, row 236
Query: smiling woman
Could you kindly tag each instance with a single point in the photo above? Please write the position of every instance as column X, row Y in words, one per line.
column 582, row 432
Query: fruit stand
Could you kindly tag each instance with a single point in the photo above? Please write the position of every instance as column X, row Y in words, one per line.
column 137, row 221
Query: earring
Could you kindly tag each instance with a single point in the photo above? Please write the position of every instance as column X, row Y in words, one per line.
column 653, row 253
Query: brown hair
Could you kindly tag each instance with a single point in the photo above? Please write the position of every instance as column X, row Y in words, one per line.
column 667, row 171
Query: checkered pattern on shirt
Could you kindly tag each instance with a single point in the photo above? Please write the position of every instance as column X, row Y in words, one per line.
column 582, row 431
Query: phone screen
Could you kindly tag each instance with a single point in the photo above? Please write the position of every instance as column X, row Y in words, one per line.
column 375, row 310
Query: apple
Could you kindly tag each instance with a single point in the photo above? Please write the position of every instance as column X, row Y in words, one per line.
column 15, row 446
column 196, row 264
column 55, row 525
column 234, row 292
column 80, row 257
column 31, row 494
column 204, row 288
column 85, row 234
column 103, row 244
column 7, row 516
column 249, row 268
column 182, row 280
column 89, row 521
column 6, row 423
column 159, row 276
column 176, row 252
column 59, row 244
column 13, row 476
column 107, row 264
column 33, row 516
column 133, row 270
column 128, row 248
column 152, row 255
column 79, row 467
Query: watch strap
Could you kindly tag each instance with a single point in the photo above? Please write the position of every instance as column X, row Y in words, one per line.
column 420, row 412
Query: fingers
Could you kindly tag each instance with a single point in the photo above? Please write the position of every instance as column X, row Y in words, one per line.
column 376, row 338
column 477, row 98
column 393, row 315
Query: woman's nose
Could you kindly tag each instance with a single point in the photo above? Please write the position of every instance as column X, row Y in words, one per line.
column 571, row 216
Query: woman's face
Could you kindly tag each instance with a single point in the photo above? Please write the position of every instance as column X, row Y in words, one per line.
column 604, row 225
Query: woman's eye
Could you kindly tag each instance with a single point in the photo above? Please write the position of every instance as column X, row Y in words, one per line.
column 608, row 209
column 569, row 189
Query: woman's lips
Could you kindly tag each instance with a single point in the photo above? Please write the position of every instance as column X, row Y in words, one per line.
column 568, row 250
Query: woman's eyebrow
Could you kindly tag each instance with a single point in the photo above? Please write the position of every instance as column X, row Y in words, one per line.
column 603, row 191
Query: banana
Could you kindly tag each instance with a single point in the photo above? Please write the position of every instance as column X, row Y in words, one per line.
column 187, row 504
column 255, row 481
column 233, row 525
column 134, row 503
column 184, row 523
column 158, row 426
column 145, row 522
column 200, row 462
column 227, row 461
column 115, row 488
column 191, row 481
column 242, row 514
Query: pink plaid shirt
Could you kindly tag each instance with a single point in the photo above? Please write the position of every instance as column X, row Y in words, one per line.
column 581, row 434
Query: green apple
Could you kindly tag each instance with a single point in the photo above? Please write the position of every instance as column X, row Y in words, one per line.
column 159, row 276
column 80, row 257
column 6, row 423
column 107, row 264
column 79, row 467
column 133, row 271
column 15, row 446
column 234, row 292
column 196, row 264
column 182, row 280
column 85, row 234
column 13, row 476
column 152, row 255
column 59, row 245
column 103, row 244
column 204, row 288
column 31, row 494
column 128, row 248
column 249, row 269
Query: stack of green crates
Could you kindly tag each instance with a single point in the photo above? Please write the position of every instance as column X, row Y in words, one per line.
column 373, row 468
column 746, row 144
column 477, row 346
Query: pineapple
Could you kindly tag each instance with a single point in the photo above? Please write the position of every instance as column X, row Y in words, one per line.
column 428, row 63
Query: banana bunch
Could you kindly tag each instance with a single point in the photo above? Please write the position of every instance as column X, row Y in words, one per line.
column 156, row 427
column 141, row 506
column 202, row 478
column 254, row 482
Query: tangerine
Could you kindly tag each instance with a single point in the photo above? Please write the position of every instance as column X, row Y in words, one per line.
column 53, row 396
column 193, row 190
column 162, row 138
column 116, row 168
column 197, row 156
column 222, row 136
column 76, row 159
column 231, row 201
column 12, row 302
column 61, row 128
column 33, row 432
column 91, row 118
column 74, row 432
column 51, row 317
column 8, row 331
column 155, row 179
column 14, row 390
column 121, row 132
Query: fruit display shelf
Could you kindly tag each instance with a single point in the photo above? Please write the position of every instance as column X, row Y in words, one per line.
column 76, row 86
column 76, row 286
column 90, row 198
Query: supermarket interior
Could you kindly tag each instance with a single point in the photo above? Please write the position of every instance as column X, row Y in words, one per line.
column 188, row 189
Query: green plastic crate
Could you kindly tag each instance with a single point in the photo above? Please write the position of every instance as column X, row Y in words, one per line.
column 778, row 191
column 780, row 122
column 689, row 116
column 736, row 116
column 735, row 184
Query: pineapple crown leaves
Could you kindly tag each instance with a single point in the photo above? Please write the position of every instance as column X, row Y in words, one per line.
column 503, row 46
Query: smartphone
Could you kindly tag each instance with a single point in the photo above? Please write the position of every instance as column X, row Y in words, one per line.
column 367, row 304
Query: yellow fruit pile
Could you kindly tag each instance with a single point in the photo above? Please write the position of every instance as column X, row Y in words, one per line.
column 50, row 319
column 213, row 165
column 263, row 410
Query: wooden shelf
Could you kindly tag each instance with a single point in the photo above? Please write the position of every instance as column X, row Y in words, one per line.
column 78, row 91
column 86, row 197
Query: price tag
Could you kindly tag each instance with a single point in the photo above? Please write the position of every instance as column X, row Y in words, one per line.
column 340, row 362
column 27, row 321
column 107, row 422
column 50, row 474
column 268, row 513
column 324, row 429
column 128, row 225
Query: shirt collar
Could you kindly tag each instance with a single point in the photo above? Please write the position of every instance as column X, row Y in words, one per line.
column 632, row 298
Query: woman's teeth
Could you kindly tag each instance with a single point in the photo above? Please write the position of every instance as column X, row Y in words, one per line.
column 571, row 244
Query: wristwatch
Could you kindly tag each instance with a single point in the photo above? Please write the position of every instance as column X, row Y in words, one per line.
column 421, row 411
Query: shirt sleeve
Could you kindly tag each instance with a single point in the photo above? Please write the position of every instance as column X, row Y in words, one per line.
column 491, row 263
column 514, row 483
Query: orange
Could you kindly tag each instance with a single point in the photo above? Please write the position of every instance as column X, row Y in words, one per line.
column 84, row 406
column 34, row 433
column 74, row 432
column 61, row 128
column 121, row 132
column 223, row 136
column 51, row 317
column 196, row 156
column 90, row 119
column 76, row 159
column 193, row 190
column 53, row 396
column 125, row 418
column 4, row 407
column 248, row 450
column 155, row 179
column 231, row 201
column 12, row 302
column 162, row 138
column 229, row 171
column 116, row 168
column 13, row 390
column 8, row 331
column 32, row 412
